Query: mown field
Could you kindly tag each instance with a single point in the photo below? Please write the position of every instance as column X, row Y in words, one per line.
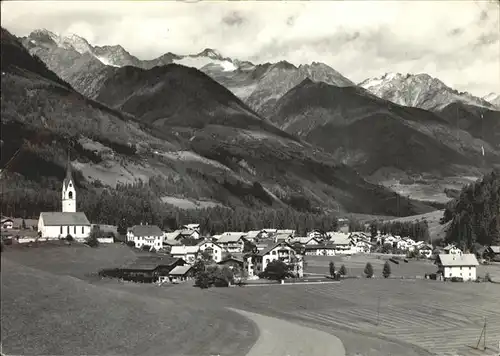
column 441, row 318
column 355, row 266
column 51, row 305
column 47, row 309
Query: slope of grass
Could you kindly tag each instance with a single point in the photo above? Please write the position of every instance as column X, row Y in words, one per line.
column 53, row 313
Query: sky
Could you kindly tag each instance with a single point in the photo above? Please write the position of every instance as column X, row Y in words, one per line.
column 455, row 41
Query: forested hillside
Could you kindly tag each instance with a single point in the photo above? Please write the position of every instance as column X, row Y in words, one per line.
column 475, row 215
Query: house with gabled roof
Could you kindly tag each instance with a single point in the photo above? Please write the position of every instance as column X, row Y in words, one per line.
column 233, row 242
column 214, row 250
column 7, row 223
column 255, row 263
column 187, row 253
column 457, row 266
column 493, row 253
column 181, row 273
column 147, row 268
column 305, row 241
column 451, row 249
column 146, row 235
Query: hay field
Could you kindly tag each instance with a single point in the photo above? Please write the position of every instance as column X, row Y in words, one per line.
column 49, row 310
column 355, row 266
column 441, row 318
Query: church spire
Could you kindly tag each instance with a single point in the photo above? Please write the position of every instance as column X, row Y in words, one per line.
column 69, row 176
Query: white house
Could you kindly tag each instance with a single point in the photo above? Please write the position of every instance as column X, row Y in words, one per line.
column 341, row 242
column 55, row 225
column 214, row 249
column 146, row 235
column 452, row 250
column 457, row 265
column 254, row 264
column 187, row 253
column 7, row 223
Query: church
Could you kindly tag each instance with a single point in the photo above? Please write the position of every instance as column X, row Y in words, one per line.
column 57, row 225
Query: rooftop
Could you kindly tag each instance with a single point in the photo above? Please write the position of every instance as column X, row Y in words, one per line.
column 464, row 260
column 146, row 230
column 66, row 219
column 180, row 270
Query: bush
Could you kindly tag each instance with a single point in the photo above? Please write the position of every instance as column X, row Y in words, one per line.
column 368, row 270
column 343, row 271
column 203, row 280
column 332, row 268
column 130, row 243
column 69, row 238
column 386, row 272
column 276, row 270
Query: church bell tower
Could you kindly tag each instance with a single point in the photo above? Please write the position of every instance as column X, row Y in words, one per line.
column 68, row 192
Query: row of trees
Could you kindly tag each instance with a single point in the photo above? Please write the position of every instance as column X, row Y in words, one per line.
column 368, row 271
column 475, row 216
column 417, row 230
column 131, row 204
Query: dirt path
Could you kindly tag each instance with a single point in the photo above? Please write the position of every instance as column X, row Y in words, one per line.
column 282, row 338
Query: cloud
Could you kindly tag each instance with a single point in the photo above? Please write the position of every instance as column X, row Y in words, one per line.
column 455, row 41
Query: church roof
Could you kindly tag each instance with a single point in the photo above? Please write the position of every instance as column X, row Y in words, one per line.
column 59, row 218
column 69, row 176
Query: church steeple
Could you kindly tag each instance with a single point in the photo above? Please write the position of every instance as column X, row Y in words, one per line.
column 68, row 191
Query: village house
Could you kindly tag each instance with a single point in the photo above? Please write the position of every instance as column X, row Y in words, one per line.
column 361, row 246
column 233, row 262
column 316, row 234
column 194, row 227
column 232, row 242
column 57, row 225
column 7, row 223
column 213, row 249
column 147, row 269
column 181, row 273
column 266, row 233
column 253, row 235
column 146, row 235
column 492, row 253
column 425, row 250
column 452, row 250
column 341, row 243
column 305, row 241
column 256, row 263
column 457, row 265
column 187, row 253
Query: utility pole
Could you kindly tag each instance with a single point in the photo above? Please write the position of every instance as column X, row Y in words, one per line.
column 378, row 311
column 483, row 335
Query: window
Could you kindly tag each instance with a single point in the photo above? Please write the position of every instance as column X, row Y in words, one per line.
column 74, row 230
column 83, row 230
column 61, row 230
column 70, row 195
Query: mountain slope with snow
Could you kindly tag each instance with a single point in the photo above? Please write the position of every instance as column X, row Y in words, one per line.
column 494, row 99
column 419, row 90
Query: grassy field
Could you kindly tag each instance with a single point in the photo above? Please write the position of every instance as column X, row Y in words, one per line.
column 355, row 266
column 442, row 318
column 50, row 305
column 48, row 310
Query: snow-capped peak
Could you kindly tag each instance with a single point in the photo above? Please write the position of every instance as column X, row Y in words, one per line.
column 418, row 90
column 75, row 42
column 210, row 53
column 494, row 99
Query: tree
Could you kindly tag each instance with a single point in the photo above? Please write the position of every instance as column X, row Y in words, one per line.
column 203, row 280
column 277, row 270
column 198, row 267
column 373, row 230
column 332, row 268
column 205, row 255
column 386, row 272
column 130, row 243
column 69, row 238
column 95, row 235
column 343, row 271
column 23, row 224
column 368, row 270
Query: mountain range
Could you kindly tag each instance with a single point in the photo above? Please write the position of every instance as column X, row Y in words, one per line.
column 172, row 123
column 301, row 130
